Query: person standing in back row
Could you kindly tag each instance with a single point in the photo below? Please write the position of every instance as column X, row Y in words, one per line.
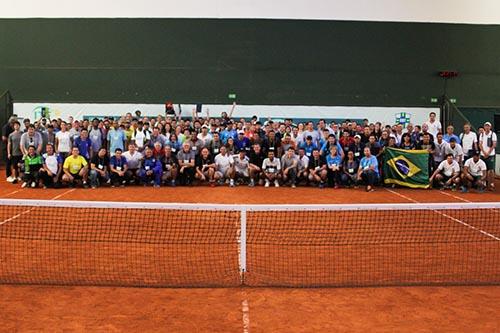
column 433, row 125
column 487, row 145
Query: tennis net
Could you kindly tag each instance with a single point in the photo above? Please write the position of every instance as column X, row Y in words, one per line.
column 202, row 245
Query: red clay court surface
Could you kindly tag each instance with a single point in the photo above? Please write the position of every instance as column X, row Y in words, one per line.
column 110, row 309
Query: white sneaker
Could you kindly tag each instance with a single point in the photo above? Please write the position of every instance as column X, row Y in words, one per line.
column 33, row 185
column 294, row 186
column 276, row 184
column 11, row 179
column 19, row 179
column 231, row 183
column 24, row 185
column 267, row 183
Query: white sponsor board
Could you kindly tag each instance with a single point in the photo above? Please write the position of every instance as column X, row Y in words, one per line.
column 441, row 11
column 386, row 115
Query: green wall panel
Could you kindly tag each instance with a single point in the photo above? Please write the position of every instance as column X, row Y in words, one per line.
column 262, row 61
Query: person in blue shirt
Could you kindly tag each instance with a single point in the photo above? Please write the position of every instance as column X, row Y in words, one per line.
column 151, row 170
column 334, row 166
column 84, row 144
column 308, row 146
column 368, row 170
column 229, row 132
column 242, row 142
column 327, row 145
column 116, row 138
column 449, row 134
column 118, row 167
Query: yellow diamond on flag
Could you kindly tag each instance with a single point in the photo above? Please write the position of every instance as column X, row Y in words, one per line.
column 403, row 166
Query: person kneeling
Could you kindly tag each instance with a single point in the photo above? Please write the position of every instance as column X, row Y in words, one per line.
column 52, row 168
column 99, row 168
column 447, row 173
column 151, row 170
column 474, row 173
column 118, row 167
column 32, row 165
column 368, row 170
column 317, row 169
column 205, row 167
column 272, row 168
column 75, row 169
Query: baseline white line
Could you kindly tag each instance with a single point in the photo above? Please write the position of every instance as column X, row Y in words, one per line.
column 448, row 216
column 30, row 209
column 245, row 309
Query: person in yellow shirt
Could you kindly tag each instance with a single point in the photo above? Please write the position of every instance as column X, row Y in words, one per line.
column 75, row 169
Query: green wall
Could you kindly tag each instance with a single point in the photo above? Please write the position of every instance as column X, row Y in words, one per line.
column 262, row 61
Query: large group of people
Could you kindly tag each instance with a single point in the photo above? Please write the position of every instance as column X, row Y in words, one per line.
column 170, row 150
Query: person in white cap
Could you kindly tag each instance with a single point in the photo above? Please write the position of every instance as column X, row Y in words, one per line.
column 204, row 136
column 487, row 145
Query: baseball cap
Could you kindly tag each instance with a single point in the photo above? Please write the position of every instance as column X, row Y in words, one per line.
column 487, row 123
column 241, row 132
column 476, row 153
column 357, row 136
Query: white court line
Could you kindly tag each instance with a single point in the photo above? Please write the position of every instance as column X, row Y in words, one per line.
column 30, row 209
column 465, row 200
column 14, row 192
column 447, row 216
column 245, row 309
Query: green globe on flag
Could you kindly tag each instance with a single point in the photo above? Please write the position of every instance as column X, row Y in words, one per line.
column 403, row 118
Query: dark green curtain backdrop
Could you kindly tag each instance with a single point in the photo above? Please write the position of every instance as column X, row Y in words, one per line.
column 262, row 61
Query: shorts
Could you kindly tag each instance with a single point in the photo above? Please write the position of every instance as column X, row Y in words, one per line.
column 489, row 161
column 222, row 173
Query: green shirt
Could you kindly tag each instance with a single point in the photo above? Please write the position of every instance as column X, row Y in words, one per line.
column 32, row 161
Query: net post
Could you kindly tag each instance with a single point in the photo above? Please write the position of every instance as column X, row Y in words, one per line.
column 243, row 241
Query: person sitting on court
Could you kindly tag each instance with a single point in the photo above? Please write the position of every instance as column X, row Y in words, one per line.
column 205, row 167
column 447, row 173
column 302, row 166
column 151, row 170
column 317, row 169
column 98, row 173
column 52, row 167
column 186, row 158
column 75, row 169
column 271, row 167
column 289, row 165
column 118, row 166
column 474, row 173
column 33, row 162
column 170, row 166
column 368, row 170
column 349, row 175
column 334, row 167
column 241, row 167
column 133, row 158
column 255, row 167
column 224, row 167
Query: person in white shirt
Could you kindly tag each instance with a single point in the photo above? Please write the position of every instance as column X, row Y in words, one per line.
column 224, row 167
column 487, row 145
column 469, row 141
column 433, row 125
column 133, row 158
column 63, row 141
column 271, row 168
column 52, row 168
column 302, row 165
column 447, row 173
column 440, row 150
column 456, row 150
column 241, row 166
column 204, row 136
column 141, row 136
column 474, row 173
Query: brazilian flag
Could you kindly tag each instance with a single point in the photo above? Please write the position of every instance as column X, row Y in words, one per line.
column 406, row 167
